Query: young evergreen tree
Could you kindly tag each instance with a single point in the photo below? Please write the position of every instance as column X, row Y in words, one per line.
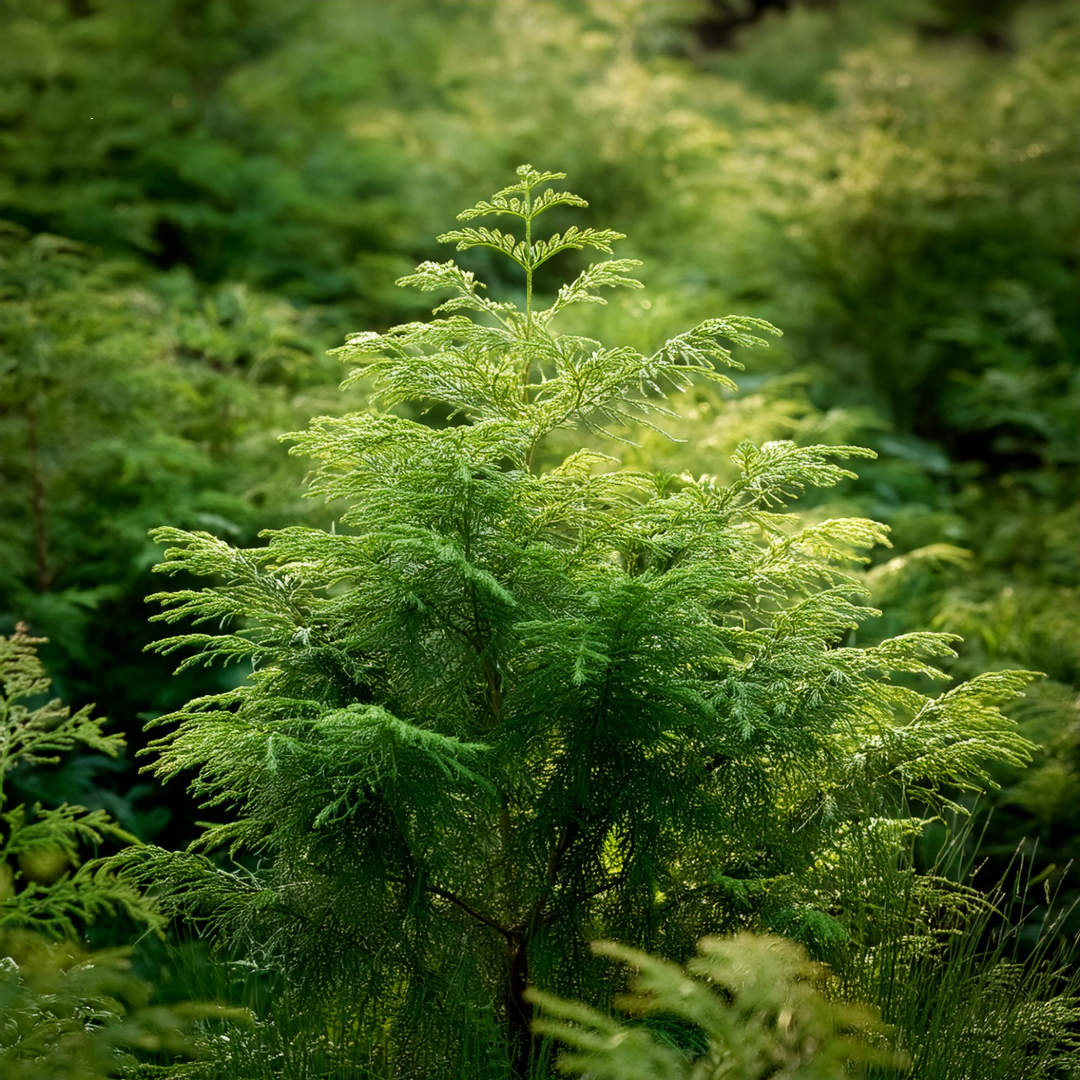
column 509, row 709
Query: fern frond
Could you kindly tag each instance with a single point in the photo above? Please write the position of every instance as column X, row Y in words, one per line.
column 432, row 276
column 501, row 203
column 573, row 239
column 528, row 178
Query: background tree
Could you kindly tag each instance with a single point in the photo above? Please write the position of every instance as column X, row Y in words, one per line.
column 120, row 394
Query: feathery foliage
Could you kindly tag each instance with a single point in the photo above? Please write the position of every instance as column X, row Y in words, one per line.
column 66, row 1011
column 746, row 1007
column 43, row 887
column 509, row 708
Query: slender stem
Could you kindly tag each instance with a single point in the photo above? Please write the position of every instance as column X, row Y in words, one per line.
column 528, row 313
column 528, row 273
column 445, row 894
column 551, row 878
column 479, row 916
column 528, row 296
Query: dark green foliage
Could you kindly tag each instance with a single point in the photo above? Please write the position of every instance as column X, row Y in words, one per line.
column 122, row 394
column 507, row 709
column 65, row 1011
column 202, row 133
column 43, row 887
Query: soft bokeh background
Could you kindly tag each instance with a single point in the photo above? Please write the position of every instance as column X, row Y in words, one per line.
column 199, row 197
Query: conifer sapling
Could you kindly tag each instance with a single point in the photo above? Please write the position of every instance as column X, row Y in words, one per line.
column 510, row 707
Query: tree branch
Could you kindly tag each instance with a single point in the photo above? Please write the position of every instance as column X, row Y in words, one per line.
column 479, row 916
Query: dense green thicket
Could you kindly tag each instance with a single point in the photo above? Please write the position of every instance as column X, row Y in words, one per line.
column 222, row 135
column 124, row 393
column 201, row 195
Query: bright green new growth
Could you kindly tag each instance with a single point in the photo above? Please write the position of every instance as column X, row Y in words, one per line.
column 507, row 711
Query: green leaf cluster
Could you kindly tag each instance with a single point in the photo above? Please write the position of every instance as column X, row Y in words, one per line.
column 43, row 887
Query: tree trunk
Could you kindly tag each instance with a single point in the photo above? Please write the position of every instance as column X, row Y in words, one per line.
column 519, row 1012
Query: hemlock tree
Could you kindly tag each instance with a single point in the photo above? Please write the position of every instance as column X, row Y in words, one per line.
column 513, row 709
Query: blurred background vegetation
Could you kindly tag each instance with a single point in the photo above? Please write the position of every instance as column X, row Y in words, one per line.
column 199, row 197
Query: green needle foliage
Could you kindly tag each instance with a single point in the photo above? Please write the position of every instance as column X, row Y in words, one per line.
column 66, row 1011
column 509, row 708
column 43, row 888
